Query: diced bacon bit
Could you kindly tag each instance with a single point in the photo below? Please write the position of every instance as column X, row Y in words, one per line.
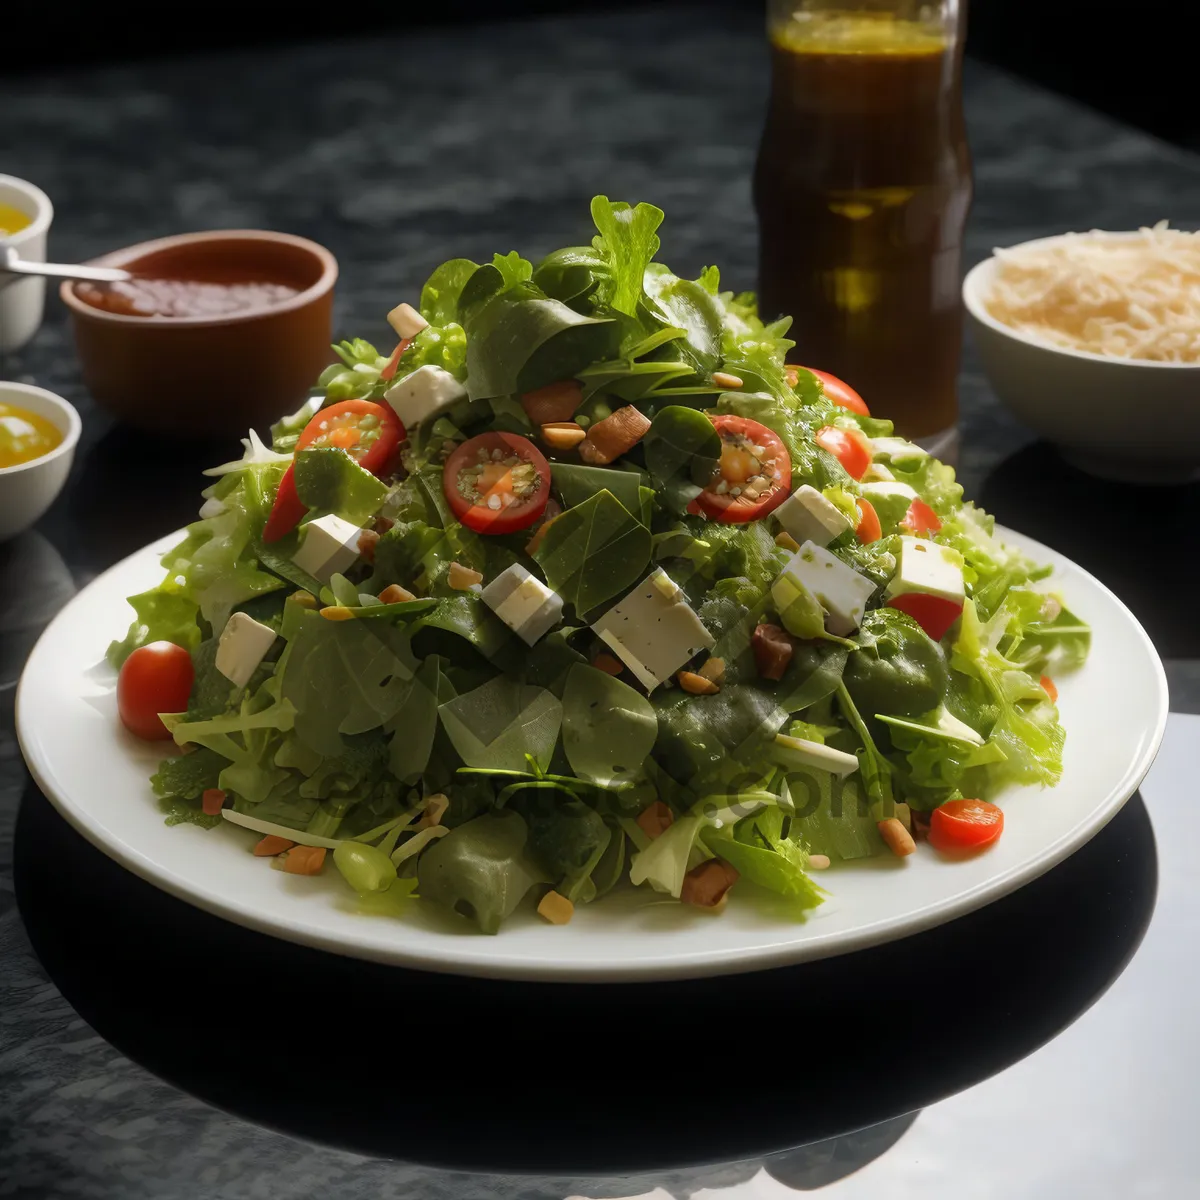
column 462, row 579
column 706, row 885
column 557, row 909
column 772, row 651
column 304, row 860
column 607, row 440
column 563, row 435
column 383, row 524
column 713, row 669
column 608, row 663
column 696, row 684
column 553, row 509
column 655, row 819
column 554, row 403
column 395, row 594
column 897, row 839
column 271, row 845
column 212, row 801
column 435, row 810
column 367, row 541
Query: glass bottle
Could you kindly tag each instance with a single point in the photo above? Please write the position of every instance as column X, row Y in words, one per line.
column 862, row 187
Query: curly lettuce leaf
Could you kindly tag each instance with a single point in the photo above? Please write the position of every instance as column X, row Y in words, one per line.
column 161, row 616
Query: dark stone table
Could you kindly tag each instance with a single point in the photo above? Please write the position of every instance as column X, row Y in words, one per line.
column 396, row 154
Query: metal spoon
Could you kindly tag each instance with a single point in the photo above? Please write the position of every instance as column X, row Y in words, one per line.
column 12, row 263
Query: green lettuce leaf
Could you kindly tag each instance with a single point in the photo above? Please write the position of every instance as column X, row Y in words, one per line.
column 439, row 296
column 162, row 616
column 627, row 243
column 501, row 723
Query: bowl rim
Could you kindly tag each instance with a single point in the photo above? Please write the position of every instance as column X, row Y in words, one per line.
column 71, row 432
column 130, row 254
column 979, row 275
column 41, row 219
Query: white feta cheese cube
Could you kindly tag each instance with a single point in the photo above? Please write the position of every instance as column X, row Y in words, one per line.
column 929, row 568
column 424, row 395
column 243, row 644
column 890, row 501
column 653, row 630
column 898, row 450
column 840, row 590
column 800, row 752
column 809, row 517
column 406, row 321
column 524, row 603
column 329, row 547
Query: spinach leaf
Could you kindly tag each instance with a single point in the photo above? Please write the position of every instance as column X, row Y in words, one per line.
column 498, row 724
column 458, row 618
column 480, row 870
column 682, row 450
column 576, row 483
column 439, row 296
column 520, row 340
column 608, row 728
column 594, row 551
column 688, row 305
column 414, row 723
column 328, row 480
column 813, row 674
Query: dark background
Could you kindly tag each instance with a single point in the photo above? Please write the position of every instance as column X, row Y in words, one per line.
column 1133, row 59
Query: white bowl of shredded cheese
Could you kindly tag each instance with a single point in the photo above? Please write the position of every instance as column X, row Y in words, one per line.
column 1093, row 340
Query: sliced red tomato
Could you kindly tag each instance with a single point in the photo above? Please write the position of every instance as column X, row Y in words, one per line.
column 920, row 519
column 754, row 476
column 868, row 529
column 960, row 825
column 837, row 392
column 154, row 679
column 497, row 483
column 934, row 614
column 850, row 447
column 367, row 431
column 1050, row 688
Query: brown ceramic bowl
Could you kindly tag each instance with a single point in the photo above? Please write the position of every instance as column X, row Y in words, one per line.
column 211, row 375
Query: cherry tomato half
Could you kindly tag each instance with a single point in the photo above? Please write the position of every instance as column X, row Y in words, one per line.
column 868, row 529
column 367, row 431
column 934, row 614
column 960, row 825
column 755, row 473
column 920, row 519
column 497, row 482
column 837, row 392
column 850, row 447
column 154, row 679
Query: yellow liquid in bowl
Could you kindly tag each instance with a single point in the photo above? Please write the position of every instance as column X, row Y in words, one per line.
column 12, row 220
column 25, row 436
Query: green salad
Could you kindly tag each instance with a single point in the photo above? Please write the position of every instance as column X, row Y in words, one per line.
column 584, row 586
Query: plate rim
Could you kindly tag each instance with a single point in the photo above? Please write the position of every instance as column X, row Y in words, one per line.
column 525, row 968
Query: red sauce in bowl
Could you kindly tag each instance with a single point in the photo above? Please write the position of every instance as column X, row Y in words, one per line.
column 183, row 298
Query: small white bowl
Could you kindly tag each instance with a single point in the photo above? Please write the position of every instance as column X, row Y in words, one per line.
column 1127, row 419
column 27, row 490
column 23, row 300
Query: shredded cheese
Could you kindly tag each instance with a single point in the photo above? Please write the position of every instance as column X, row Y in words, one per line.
column 1135, row 297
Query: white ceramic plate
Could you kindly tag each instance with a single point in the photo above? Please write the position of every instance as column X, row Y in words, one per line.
column 1114, row 709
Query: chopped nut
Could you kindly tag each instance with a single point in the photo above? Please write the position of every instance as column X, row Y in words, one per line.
column 304, row 599
column 367, row 541
column 558, row 910
column 395, row 594
column 706, row 885
column 406, row 321
column 773, row 651
column 608, row 663
column 899, row 841
column 383, row 524
column 462, row 579
column 698, row 685
column 713, row 669
column 304, row 860
column 655, row 819
column 818, row 862
column 553, row 403
column 723, row 379
column 337, row 612
column 435, row 810
column 786, row 541
column 563, row 435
